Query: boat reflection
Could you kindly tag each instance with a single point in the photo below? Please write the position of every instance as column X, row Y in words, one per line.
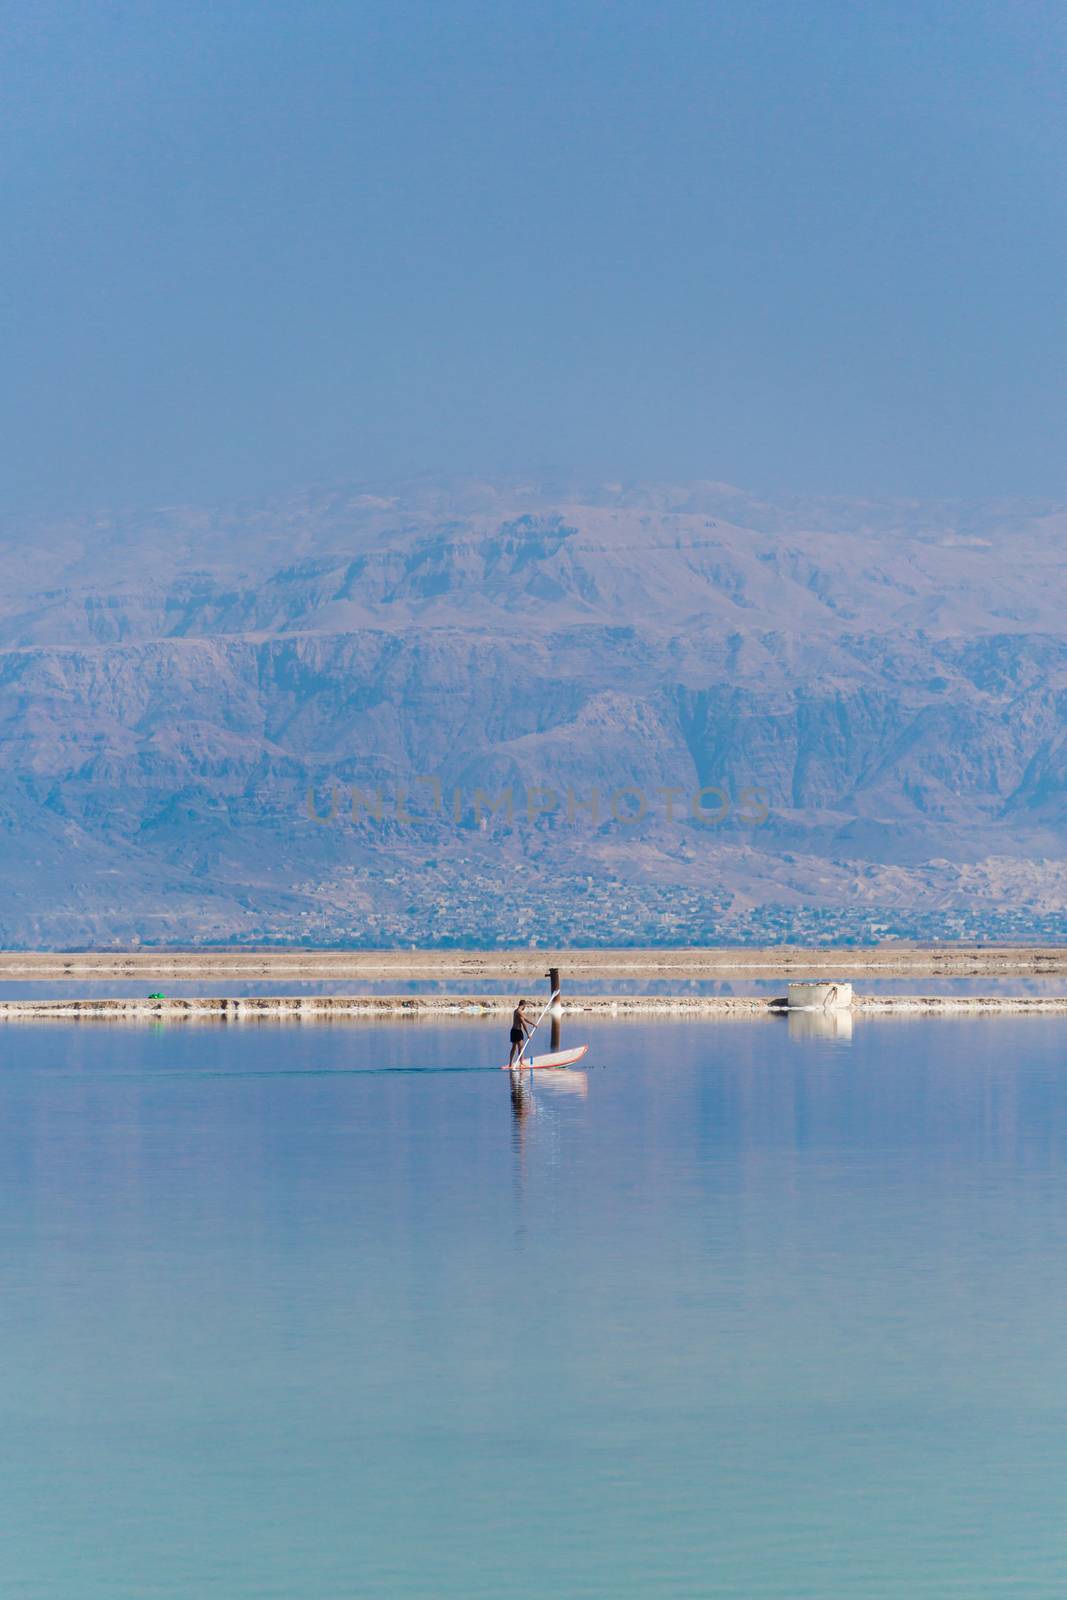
column 835, row 1025
column 564, row 1080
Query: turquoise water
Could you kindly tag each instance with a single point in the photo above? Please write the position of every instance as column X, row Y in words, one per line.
column 314, row 1313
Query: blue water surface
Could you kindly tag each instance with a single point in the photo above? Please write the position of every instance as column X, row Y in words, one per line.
column 319, row 1312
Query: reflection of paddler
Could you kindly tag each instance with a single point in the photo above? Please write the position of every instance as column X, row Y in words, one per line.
column 521, row 1097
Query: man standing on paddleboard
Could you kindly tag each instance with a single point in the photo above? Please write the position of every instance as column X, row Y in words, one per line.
column 520, row 1032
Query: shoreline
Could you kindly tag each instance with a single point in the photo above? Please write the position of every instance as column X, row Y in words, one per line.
column 418, row 1008
column 527, row 966
column 461, row 972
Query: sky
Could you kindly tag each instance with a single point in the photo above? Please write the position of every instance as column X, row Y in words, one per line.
column 248, row 246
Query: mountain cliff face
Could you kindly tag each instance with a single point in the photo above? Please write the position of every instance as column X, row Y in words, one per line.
column 506, row 710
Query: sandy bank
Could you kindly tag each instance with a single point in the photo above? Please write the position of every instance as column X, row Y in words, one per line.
column 472, row 967
column 326, row 1008
column 368, row 1007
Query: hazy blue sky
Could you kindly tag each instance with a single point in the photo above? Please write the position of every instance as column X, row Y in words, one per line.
column 246, row 245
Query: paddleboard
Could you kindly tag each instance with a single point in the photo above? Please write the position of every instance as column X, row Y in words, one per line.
column 560, row 1058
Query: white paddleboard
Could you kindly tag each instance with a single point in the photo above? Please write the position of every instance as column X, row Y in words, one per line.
column 559, row 1058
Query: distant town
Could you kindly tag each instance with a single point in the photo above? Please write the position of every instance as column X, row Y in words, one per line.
column 606, row 911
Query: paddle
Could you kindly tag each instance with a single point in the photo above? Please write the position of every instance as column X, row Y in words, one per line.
column 553, row 997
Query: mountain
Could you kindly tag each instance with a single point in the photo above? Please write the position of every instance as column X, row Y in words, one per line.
column 272, row 722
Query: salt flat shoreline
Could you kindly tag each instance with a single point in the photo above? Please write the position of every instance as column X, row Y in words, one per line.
column 526, row 969
column 526, row 966
column 439, row 1008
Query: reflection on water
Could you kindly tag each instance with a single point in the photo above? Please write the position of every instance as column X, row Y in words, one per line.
column 564, row 1080
column 733, row 1313
column 820, row 1025
column 522, row 1094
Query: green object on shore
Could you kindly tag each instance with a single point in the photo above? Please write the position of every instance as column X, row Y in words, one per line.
column 157, row 997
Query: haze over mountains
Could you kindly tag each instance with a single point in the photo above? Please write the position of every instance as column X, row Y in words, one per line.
column 890, row 677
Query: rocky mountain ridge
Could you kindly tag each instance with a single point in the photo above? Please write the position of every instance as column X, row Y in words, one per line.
column 890, row 677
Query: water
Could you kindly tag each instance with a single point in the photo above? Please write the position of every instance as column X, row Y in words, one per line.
column 313, row 1313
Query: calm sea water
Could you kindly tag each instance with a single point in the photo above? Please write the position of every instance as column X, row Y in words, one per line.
column 318, row 1313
